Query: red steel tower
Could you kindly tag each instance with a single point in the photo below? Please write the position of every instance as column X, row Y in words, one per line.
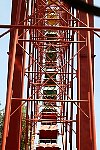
column 50, row 77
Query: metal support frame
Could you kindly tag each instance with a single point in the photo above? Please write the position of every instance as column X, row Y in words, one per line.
column 50, row 51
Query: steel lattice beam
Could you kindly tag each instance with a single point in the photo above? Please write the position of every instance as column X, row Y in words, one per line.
column 51, row 62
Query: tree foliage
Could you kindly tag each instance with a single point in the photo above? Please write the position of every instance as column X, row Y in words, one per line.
column 23, row 127
column 1, row 123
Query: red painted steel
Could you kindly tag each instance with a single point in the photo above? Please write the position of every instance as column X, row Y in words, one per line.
column 86, row 60
column 51, row 71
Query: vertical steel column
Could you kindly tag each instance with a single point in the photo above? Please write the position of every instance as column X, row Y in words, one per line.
column 92, row 123
column 9, row 91
column 10, row 79
column 78, row 91
column 85, row 83
column 13, row 138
